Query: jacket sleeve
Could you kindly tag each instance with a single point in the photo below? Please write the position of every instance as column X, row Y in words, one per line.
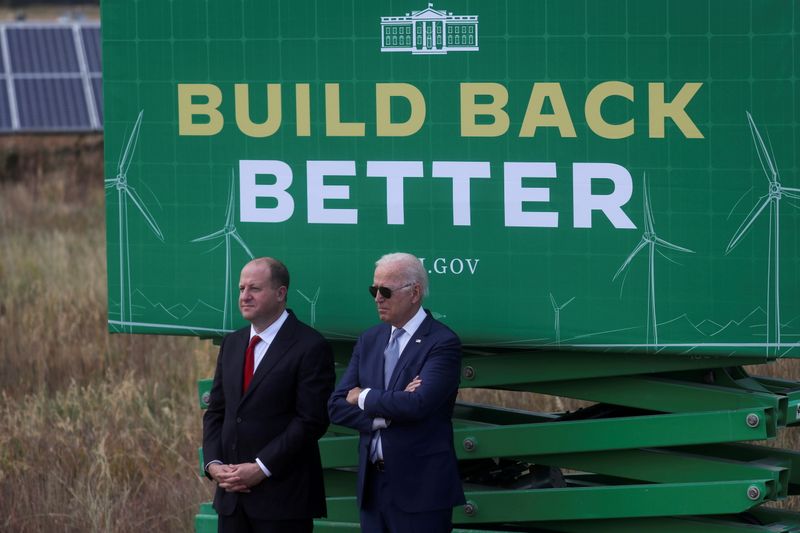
column 440, row 375
column 315, row 379
column 214, row 416
column 340, row 411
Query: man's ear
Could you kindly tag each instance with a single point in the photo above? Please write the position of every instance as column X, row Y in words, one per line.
column 417, row 297
column 281, row 293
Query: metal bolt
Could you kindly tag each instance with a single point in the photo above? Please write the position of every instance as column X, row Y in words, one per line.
column 205, row 398
column 470, row 509
column 469, row 372
column 753, row 420
column 470, row 444
column 753, row 492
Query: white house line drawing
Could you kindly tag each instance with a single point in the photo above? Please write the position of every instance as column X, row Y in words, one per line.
column 557, row 311
column 313, row 302
column 429, row 31
column 652, row 242
column 226, row 233
column 771, row 199
column 126, row 193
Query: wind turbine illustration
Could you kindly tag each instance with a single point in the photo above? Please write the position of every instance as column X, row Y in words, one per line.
column 771, row 199
column 227, row 233
column 313, row 302
column 557, row 310
column 652, row 242
column 126, row 193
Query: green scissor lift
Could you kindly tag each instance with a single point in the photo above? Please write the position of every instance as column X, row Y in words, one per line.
column 663, row 449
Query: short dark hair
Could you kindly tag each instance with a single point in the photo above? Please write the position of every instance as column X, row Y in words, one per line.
column 278, row 272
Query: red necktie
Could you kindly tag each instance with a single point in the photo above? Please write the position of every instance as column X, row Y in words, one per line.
column 249, row 362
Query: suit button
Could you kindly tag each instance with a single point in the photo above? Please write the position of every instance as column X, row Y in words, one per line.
column 239, row 420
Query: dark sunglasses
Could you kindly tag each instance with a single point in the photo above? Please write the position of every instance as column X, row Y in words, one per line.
column 386, row 292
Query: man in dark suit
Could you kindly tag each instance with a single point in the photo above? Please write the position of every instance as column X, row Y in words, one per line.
column 267, row 411
column 398, row 392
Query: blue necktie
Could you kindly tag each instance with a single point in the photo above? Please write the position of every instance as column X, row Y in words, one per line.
column 390, row 356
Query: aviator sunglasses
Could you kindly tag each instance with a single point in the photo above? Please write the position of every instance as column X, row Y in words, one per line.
column 386, row 292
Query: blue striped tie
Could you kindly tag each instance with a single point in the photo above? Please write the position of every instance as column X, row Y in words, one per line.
column 390, row 356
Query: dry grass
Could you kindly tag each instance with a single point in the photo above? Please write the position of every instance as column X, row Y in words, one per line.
column 10, row 10
column 98, row 432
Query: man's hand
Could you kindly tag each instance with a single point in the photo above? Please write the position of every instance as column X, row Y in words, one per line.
column 236, row 478
column 352, row 396
column 414, row 384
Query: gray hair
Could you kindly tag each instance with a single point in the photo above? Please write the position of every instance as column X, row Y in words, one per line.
column 409, row 267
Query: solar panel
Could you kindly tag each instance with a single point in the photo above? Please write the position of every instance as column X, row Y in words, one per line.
column 91, row 44
column 42, row 50
column 97, row 91
column 52, row 104
column 5, row 112
column 50, row 77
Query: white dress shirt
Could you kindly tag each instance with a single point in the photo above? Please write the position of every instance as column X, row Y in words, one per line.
column 267, row 336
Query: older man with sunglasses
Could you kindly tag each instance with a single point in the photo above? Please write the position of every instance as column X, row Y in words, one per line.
column 398, row 392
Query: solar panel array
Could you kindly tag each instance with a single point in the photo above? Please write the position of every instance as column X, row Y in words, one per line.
column 50, row 77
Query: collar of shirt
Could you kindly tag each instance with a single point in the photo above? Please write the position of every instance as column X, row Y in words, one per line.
column 410, row 328
column 267, row 336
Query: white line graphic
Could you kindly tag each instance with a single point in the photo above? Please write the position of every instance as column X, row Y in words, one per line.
column 557, row 311
column 772, row 200
column 313, row 302
column 226, row 233
column 126, row 193
column 651, row 241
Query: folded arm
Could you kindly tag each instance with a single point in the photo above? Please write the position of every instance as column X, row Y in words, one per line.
column 439, row 378
column 340, row 410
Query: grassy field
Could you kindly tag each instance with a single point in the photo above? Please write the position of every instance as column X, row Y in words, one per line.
column 99, row 432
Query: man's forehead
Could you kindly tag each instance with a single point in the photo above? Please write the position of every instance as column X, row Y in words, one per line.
column 255, row 273
column 387, row 271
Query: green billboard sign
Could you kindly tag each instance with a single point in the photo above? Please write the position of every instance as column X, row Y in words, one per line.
column 574, row 174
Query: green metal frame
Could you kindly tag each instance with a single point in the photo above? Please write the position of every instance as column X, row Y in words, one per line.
column 663, row 449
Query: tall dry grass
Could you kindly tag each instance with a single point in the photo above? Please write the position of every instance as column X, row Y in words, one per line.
column 98, row 432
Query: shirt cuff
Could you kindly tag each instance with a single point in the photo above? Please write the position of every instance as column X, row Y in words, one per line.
column 214, row 462
column 363, row 398
column 263, row 468
column 379, row 423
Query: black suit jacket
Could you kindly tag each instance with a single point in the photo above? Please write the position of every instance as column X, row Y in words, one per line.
column 278, row 420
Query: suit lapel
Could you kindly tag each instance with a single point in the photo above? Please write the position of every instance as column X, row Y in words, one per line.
column 376, row 369
column 413, row 348
column 240, row 341
column 280, row 346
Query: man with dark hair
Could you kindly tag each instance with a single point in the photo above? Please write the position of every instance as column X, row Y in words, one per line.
column 267, row 412
column 398, row 392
